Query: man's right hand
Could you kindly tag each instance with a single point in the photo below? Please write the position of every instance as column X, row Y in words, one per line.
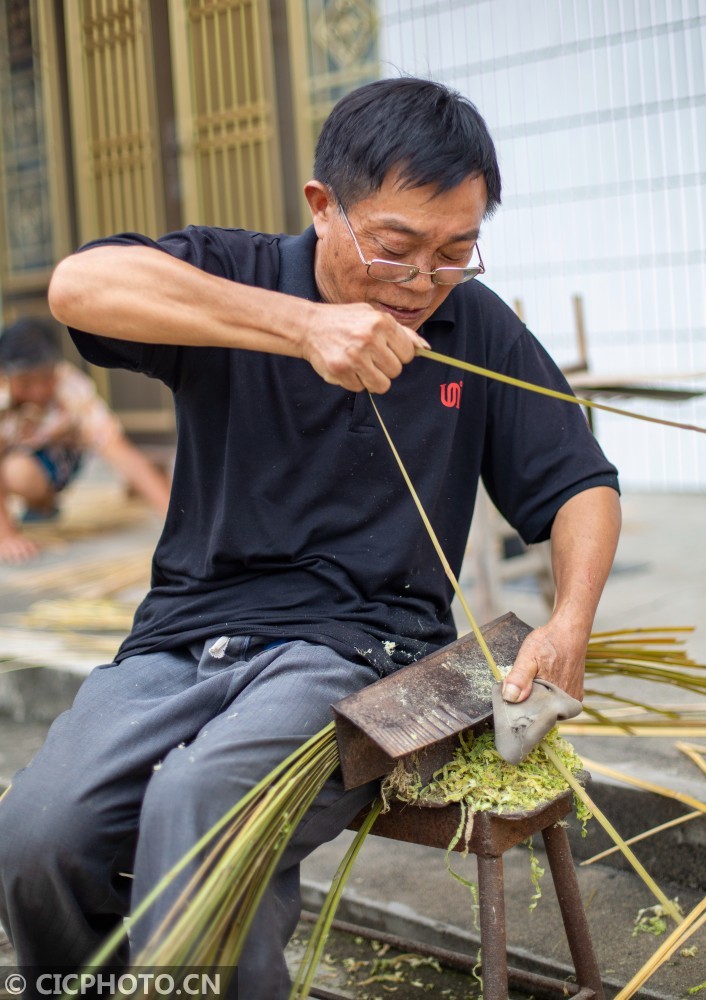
column 16, row 548
column 358, row 347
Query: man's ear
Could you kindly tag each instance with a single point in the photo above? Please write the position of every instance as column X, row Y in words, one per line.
column 322, row 204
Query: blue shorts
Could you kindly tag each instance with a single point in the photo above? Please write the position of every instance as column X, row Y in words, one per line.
column 60, row 464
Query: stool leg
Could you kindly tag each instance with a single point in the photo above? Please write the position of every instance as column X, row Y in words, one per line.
column 561, row 863
column 491, row 902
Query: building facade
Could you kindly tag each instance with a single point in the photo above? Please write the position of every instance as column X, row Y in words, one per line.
column 151, row 114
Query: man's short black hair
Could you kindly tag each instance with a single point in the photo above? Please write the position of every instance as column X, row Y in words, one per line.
column 26, row 344
column 431, row 134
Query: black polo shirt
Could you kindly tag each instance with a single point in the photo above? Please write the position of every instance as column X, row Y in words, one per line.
column 289, row 517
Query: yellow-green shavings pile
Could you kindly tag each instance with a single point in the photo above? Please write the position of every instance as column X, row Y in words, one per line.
column 479, row 778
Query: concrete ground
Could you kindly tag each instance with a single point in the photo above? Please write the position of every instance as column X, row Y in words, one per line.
column 659, row 579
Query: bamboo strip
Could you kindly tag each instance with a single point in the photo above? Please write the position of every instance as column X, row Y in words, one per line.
column 440, row 552
column 686, row 708
column 676, row 939
column 648, row 786
column 627, row 853
column 43, row 649
column 671, row 731
column 314, row 949
column 643, row 629
column 695, row 755
column 543, row 391
column 242, row 808
column 644, row 836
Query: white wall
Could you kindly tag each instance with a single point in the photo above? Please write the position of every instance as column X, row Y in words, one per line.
column 598, row 109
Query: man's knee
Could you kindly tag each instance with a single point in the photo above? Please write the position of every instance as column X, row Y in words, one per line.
column 36, row 834
column 185, row 784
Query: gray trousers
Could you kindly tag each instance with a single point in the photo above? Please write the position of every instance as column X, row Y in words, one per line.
column 152, row 753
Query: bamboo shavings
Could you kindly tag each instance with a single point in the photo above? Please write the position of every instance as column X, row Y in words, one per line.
column 479, row 777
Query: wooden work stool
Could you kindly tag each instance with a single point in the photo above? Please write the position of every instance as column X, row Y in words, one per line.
column 492, row 835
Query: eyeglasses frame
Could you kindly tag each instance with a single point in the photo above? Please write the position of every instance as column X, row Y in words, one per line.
column 412, row 268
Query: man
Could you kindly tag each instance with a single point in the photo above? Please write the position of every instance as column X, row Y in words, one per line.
column 50, row 417
column 293, row 568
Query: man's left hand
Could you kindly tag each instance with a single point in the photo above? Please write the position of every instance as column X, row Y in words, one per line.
column 551, row 652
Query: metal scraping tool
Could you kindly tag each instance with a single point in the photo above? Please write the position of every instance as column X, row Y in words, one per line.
column 422, row 708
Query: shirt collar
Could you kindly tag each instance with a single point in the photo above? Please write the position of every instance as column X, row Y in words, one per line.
column 296, row 266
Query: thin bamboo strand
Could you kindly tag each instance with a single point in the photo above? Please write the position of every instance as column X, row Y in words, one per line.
column 642, row 729
column 676, row 939
column 627, row 852
column 111, row 943
column 440, row 552
column 645, row 835
column 249, row 877
column 648, row 786
column 619, row 648
column 627, row 704
column 542, row 390
column 694, row 755
column 643, row 629
column 312, row 956
column 680, row 707
column 613, row 654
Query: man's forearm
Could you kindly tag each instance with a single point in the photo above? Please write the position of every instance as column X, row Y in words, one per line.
column 584, row 538
column 142, row 294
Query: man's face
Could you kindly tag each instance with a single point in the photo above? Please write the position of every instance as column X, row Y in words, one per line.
column 413, row 226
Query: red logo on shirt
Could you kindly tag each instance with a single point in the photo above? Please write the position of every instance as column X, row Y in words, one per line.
column 451, row 394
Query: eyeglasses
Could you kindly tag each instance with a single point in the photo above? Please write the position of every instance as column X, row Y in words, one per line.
column 397, row 274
